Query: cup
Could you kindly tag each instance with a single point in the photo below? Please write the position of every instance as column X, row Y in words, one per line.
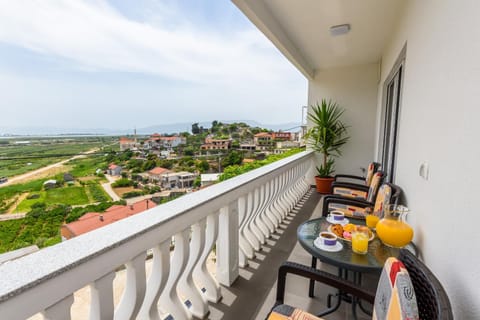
column 336, row 216
column 360, row 240
column 328, row 239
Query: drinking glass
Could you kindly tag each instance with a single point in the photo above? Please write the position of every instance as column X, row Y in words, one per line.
column 360, row 240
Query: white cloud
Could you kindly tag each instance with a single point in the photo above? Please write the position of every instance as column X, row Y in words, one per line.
column 94, row 36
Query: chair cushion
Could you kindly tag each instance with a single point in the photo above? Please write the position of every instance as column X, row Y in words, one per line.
column 370, row 172
column 395, row 297
column 376, row 182
column 286, row 312
column 351, row 193
column 348, row 210
column 383, row 199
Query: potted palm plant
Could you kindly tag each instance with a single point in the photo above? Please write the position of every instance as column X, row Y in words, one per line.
column 326, row 136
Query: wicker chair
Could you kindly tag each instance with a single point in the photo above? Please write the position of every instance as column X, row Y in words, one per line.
column 432, row 300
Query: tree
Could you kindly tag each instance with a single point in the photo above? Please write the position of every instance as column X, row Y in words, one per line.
column 233, row 157
column 203, row 166
column 195, row 128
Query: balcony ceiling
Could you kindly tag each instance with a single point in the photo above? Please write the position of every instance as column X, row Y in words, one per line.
column 301, row 29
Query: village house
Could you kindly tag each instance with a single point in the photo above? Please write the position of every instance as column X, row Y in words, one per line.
column 114, row 170
column 128, row 144
column 263, row 141
column 216, row 144
column 157, row 141
column 158, row 174
column 94, row 220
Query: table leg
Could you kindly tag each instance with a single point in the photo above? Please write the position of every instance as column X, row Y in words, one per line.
column 311, row 287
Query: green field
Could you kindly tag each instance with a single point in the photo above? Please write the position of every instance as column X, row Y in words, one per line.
column 40, row 152
column 69, row 195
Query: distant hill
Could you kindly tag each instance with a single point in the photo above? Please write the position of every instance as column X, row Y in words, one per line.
column 161, row 128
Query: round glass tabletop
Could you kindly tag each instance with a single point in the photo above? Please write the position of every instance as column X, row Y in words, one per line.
column 373, row 261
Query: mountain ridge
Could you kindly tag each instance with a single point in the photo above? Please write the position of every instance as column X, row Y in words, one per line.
column 159, row 128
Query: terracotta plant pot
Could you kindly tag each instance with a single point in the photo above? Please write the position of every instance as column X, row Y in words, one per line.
column 323, row 184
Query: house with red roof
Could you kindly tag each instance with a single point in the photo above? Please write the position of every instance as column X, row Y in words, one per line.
column 94, row 220
column 114, row 170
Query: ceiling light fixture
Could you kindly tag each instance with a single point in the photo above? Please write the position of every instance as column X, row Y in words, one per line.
column 339, row 29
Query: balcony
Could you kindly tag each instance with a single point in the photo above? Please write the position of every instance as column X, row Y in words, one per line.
column 248, row 221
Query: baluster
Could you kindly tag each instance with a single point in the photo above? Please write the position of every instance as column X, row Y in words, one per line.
column 246, row 250
column 169, row 300
column 227, row 245
column 208, row 284
column 101, row 290
column 269, row 222
column 60, row 310
column 254, row 225
column 249, row 228
column 278, row 204
column 157, row 280
column 186, row 287
column 269, row 211
column 258, row 194
column 134, row 293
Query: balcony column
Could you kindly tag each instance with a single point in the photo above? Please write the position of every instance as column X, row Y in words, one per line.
column 60, row 310
column 227, row 245
column 102, row 298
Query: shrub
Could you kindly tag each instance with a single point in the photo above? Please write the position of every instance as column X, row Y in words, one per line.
column 123, row 182
column 132, row 194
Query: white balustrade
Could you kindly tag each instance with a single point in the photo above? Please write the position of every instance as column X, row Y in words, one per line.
column 237, row 216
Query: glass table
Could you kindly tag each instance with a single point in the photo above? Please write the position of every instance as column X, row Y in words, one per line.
column 346, row 260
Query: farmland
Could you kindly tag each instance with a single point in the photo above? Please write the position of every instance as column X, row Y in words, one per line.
column 21, row 156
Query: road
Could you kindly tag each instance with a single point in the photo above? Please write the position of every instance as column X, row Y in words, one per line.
column 108, row 188
column 25, row 176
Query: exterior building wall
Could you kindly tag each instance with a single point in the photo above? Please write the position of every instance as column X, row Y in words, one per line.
column 439, row 125
column 354, row 89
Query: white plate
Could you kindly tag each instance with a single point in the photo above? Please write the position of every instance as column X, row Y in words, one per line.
column 344, row 222
column 337, row 247
column 329, row 229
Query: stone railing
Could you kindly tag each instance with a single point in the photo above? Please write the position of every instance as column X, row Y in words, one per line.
column 236, row 215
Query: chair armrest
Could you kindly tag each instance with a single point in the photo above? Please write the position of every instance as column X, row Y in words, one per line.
column 348, row 176
column 320, row 276
column 343, row 200
column 349, row 185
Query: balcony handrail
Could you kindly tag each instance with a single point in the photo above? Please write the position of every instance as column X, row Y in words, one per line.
column 56, row 272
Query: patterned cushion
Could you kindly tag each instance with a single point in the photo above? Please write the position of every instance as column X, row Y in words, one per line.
column 383, row 199
column 350, row 193
column 376, row 182
column 370, row 172
column 285, row 312
column 395, row 297
column 349, row 211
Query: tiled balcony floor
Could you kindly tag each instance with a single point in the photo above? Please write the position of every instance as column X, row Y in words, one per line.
column 253, row 294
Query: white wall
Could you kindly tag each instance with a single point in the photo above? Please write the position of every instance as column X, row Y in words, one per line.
column 440, row 124
column 354, row 89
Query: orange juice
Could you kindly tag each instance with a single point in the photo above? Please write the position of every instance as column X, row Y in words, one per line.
column 371, row 220
column 394, row 233
column 360, row 242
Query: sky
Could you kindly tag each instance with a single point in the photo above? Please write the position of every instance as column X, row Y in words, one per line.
column 124, row 64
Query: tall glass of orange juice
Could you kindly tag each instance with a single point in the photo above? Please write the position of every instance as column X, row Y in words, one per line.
column 371, row 220
column 360, row 240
